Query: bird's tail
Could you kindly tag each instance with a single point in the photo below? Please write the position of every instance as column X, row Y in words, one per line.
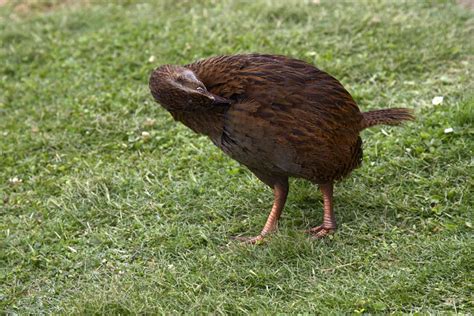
column 393, row 116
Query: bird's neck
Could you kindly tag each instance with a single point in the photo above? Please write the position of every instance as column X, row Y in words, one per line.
column 209, row 123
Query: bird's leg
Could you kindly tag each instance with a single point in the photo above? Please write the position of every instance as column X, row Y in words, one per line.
column 280, row 191
column 329, row 219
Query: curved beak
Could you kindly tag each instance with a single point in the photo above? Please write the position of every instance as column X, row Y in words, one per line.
column 218, row 100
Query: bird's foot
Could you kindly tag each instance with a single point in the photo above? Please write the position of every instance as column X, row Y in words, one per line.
column 320, row 231
column 249, row 240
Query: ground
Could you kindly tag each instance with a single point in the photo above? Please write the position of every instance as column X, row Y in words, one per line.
column 109, row 206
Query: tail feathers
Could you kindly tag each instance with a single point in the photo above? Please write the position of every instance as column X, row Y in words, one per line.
column 393, row 116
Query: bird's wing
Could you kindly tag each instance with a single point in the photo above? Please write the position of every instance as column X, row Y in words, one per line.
column 278, row 141
column 290, row 133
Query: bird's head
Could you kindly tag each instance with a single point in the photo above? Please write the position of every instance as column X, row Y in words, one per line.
column 178, row 89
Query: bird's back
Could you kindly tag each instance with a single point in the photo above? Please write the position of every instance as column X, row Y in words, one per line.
column 274, row 79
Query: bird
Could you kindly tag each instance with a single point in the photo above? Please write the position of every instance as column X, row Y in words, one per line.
column 279, row 116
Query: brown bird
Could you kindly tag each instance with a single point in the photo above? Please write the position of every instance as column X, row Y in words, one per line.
column 280, row 117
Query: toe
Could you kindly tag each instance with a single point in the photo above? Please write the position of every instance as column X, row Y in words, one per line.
column 320, row 231
column 314, row 230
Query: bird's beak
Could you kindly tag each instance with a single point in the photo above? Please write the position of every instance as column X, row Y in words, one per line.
column 217, row 100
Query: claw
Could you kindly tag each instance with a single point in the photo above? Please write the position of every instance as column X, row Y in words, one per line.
column 320, row 231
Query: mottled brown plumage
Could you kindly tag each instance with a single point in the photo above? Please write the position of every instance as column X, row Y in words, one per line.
column 278, row 116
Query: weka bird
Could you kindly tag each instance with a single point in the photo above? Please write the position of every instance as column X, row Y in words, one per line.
column 280, row 117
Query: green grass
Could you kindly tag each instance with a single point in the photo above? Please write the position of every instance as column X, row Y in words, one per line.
column 96, row 218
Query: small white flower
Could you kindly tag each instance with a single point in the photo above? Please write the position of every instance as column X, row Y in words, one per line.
column 145, row 135
column 14, row 180
column 149, row 122
column 151, row 59
column 448, row 130
column 437, row 100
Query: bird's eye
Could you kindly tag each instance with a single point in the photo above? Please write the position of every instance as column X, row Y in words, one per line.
column 200, row 89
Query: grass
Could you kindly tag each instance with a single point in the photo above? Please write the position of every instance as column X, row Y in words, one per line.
column 98, row 218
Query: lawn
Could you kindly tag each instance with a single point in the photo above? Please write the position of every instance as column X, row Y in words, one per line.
column 108, row 206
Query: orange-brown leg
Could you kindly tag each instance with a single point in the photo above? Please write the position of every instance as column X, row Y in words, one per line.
column 280, row 191
column 329, row 219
